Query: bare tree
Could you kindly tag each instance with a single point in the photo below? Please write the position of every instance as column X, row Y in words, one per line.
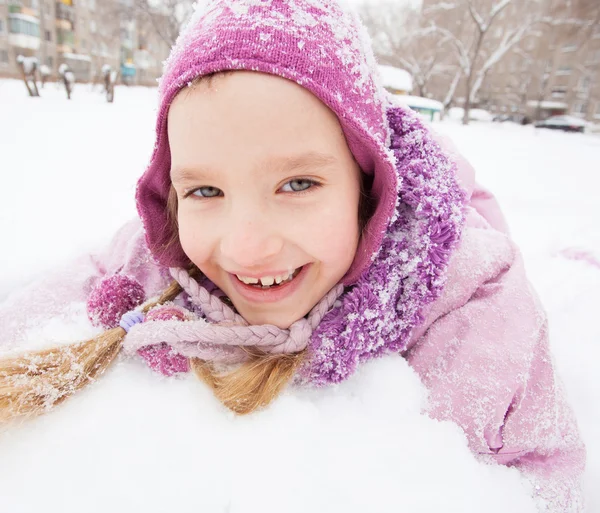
column 106, row 32
column 588, row 11
column 449, row 98
column 478, row 48
column 457, row 42
column 399, row 40
column 29, row 70
column 565, row 25
column 167, row 17
column 425, row 57
column 68, row 79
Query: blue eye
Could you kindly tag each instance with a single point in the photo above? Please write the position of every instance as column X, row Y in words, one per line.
column 298, row 185
column 207, row 192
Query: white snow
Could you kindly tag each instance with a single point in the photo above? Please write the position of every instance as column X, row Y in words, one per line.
column 135, row 441
column 419, row 102
column 474, row 114
column 396, row 78
column 29, row 63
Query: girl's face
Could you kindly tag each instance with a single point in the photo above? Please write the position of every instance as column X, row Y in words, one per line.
column 267, row 192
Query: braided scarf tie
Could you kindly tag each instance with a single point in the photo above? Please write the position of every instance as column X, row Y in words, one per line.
column 224, row 338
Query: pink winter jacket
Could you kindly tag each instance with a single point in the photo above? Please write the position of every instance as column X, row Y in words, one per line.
column 482, row 352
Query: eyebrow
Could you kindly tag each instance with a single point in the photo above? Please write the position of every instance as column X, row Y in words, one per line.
column 288, row 164
column 310, row 159
column 185, row 175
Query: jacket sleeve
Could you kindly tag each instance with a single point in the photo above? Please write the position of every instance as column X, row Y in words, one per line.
column 483, row 354
column 63, row 293
column 481, row 200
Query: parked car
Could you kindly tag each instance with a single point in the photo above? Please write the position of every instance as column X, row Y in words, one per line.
column 565, row 123
column 512, row 118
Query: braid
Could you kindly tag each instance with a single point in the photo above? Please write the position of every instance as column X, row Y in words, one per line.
column 35, row 382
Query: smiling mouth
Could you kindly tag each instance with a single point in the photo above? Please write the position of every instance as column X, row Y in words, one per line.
column 269, row 282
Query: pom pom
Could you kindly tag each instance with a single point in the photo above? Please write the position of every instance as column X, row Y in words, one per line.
column 162, row 359
column 111, row 298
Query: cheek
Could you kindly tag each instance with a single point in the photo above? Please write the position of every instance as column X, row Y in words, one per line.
column 195, row 237
column 334, row 236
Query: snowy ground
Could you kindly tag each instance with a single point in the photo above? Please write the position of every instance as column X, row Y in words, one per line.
column 68, row 171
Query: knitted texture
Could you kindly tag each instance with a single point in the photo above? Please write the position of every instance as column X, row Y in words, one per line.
column 111, row 298
column 195, row 337
column 161, row 357
column 164, row 359
column 213, row 308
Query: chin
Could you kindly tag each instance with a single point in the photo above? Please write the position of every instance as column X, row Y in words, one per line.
column 258, row 319
column 281, row 320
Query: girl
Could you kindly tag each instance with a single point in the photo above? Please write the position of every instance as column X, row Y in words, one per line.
column 297, row 223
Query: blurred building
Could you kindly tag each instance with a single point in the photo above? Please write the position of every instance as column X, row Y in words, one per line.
column 85, row 34
column 556, row 74
column 19, row 33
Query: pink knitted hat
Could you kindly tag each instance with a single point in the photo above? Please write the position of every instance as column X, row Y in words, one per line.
column 315, row 43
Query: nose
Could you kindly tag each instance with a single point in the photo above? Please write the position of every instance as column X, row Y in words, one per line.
column 251, row 240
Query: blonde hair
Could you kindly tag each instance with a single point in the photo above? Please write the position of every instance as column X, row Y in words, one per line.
column 35, row 382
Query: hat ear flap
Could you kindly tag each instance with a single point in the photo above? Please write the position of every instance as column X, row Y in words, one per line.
column 405, row 129
column 424, row 168
column 430, row 211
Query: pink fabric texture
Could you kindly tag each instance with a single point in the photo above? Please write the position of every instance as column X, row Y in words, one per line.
column 161, row 357
column 483, row 354
column 113, row 297
column 316, row 44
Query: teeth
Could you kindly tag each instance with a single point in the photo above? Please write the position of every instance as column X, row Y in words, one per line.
column 247, row 281
column 267, row 281
column 283, row 277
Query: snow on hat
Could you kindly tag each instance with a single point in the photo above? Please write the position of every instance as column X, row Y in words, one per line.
column 314, row 43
